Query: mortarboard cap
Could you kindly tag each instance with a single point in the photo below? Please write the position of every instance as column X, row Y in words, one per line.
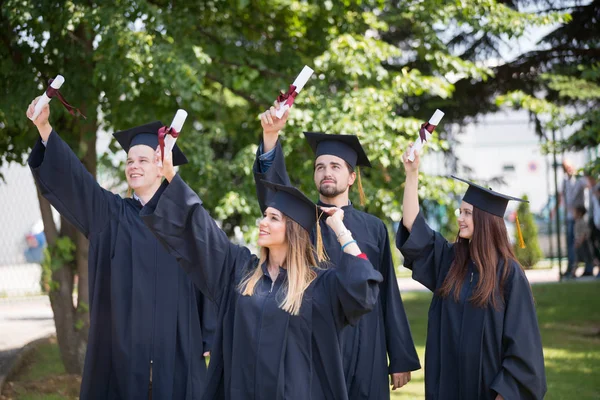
column 147, row 135
column 293, row 203
column 346, row 147
column 486, row 199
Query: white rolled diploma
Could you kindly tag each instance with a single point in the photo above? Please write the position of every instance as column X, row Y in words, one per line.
column 434, row 120
column 56, row 84
column 177, row 124
column 300, row 81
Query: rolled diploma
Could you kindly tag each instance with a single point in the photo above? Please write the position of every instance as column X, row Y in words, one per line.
column 177, row 124
column 300, row 81
column 56, row 84
column 434, row 120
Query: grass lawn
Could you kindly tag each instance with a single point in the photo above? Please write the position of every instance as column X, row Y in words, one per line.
column 42, row 377
column 569, row 316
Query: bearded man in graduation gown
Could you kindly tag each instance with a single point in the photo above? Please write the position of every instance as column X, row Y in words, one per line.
column 384, row 333
column 146, row 337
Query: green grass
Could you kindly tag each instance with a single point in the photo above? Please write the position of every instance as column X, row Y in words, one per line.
column 568, row 313
column 416, row 305
column 42, row 377
column 569, row 318
column 42, row 396
column 45, row 363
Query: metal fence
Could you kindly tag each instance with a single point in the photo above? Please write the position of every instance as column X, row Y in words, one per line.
column 21, row 233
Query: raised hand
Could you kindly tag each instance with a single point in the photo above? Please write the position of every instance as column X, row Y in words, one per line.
column 166, row 167
column 272, row 126
column 411, row 166
column 41, row 122
column 336, row 218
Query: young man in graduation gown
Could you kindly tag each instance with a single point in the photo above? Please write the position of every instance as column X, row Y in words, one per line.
column 384, row 333
column 483, row 339
column 145, row 338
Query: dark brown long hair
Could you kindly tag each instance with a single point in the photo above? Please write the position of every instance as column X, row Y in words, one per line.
column 488, row 246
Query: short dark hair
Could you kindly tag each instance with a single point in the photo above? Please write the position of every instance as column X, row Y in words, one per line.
column 581, row 210
column 350, row 168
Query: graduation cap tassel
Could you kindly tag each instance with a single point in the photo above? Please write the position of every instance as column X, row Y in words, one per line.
column 361, row 192
column 520, row 233
column 321, row 255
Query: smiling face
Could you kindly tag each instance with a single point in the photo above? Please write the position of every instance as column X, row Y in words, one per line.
column 465, row 221
column 332, row 176
column 141, row 170
column 271, row 229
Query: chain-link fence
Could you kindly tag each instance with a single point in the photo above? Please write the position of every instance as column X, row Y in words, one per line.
column 22, row 240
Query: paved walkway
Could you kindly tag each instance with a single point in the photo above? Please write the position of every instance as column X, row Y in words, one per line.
column 22, row 321
column 534, row 276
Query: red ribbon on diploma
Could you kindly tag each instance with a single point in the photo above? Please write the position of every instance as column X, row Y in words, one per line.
column 289, row 96
column 51, row 92
column 426, row 126
column 162, row 132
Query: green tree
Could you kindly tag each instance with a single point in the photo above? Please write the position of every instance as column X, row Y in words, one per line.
column 531, row 253
column 558, row 82
column 382, row 67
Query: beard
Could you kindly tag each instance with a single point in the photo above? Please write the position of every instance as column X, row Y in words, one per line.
column 330, row 191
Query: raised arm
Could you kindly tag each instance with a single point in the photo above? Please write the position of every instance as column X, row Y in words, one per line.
column 270, row 162
column 399, row 342
column 427, row 253
column 176, row 216
column 272, row 126
column 65, row 182
column 410, row 202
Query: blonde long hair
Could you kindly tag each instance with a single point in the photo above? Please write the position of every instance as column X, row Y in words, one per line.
column 299, row 263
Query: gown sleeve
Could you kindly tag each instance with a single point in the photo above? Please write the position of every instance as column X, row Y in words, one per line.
column 276, row 173
column 69, row 187
column 209, row 317
column 522, row 375
column 176, row 216
column 353, row 287
column 399, row 342
column 426, row 252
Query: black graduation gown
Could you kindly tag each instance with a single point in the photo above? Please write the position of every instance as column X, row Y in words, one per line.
column 473, row 352
column 260, row 351
column 142, row 307
column 385, row 331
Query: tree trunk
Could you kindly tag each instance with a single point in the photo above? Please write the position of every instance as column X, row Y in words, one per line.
column 71, row 330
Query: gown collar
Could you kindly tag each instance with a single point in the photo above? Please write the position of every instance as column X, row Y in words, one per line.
column 346, row 207
column 265, row 269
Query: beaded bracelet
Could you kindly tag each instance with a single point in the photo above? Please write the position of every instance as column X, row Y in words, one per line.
column 346, row 244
